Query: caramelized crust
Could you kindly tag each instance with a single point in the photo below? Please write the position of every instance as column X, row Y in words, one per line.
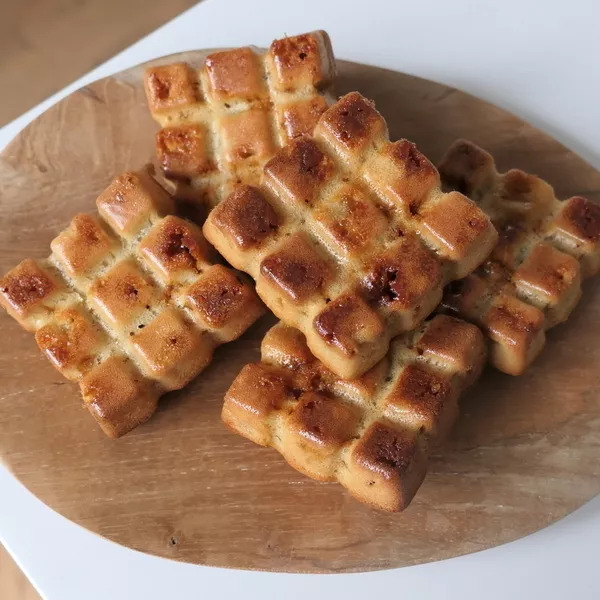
column 130, row 201
column 170, row 350
column 256, row 393
column 302, row 61
column 423, row 399
column 220, row 301
column 347, row 323
column 352, row 221
column 351, row 126
column 405, row 281
column 133, row 312
column 170, row 86
column 298, row 171
column 532, row 280
column 181, row 152
column 348, row 214
column 402, row 176
column 247, row 217
column 457, row 224
column 81, row 246
column 247, row 136
column 373, row 433
column 174, row 247
column 71, row 342
column 299, row 118
column 581, row 218
column 547, row 272
column 27, row 289
column 439, row 344
column 391, row 461
column 122, row 294
column 225, row 118
column 296, row 269
column 322, row 421
column 234, row 74
column 576, row 231
column 118, row 396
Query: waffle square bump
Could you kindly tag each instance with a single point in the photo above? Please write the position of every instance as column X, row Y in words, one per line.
column 170, row 86
column 117, row 396
column 131, row 202
column 28, row 292
column 170, row 351
column 235, row 74
column 532, row 279
column 295, row 270
column 72, row 341
column 221, row 302
column 247, row 136
column 183, row 153
column 329, row 221
column 301, row 61
column 83, row 245
column 174, row 249
column 122, row 294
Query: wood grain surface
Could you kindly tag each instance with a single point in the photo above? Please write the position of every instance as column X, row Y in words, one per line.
column 524, row 453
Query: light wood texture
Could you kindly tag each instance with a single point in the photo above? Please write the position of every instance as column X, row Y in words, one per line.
column 13, row 584
column 49, row 43
column 524, row 453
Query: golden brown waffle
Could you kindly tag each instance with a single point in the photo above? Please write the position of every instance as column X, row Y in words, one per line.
column 350, row 238
column 532, row 280
column 130, row 307
column 371, row 434
column 224, row 119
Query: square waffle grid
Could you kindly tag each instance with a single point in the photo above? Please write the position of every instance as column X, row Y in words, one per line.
column 222, row 122
column 532, row 280
column 130, row 307
column 350, row 238
column 372, row 434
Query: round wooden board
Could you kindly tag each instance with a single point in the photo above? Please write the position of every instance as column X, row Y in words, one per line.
column 524, row 454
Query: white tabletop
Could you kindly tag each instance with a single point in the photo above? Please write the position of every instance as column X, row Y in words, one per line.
column 537, row 59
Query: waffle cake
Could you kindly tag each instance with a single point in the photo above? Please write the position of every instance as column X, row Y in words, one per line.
column 223, row 119
column 350, row 238
column 129, row 305
column 532, row 280
column 372, row 434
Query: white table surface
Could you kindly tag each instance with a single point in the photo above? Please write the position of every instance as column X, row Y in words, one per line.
column 537, row 59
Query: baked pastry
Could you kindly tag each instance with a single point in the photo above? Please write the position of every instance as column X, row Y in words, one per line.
column 130, row 305
column 222, row 120
column 532, row 280
column 350, row 238
column 371, row 434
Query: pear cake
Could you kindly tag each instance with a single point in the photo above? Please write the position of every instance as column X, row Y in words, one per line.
column 130, row 305
column 349, row 237
column 372, row 434
column 532, row 280
column 222, row 120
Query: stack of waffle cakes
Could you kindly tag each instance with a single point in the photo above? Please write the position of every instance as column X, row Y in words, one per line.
column 394, row 281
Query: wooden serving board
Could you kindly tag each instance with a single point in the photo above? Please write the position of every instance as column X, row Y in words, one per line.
column 524, row 454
